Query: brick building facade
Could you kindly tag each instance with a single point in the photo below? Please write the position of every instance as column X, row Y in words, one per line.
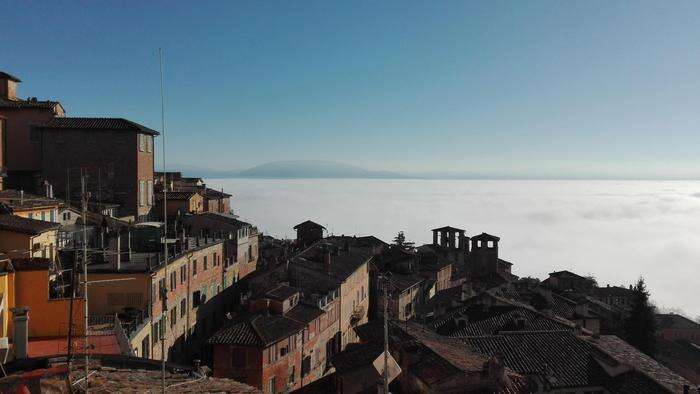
column 20, row 141
column 193, row 278
column 115, row 154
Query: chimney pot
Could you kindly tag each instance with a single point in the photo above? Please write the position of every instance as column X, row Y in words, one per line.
column 20, row 340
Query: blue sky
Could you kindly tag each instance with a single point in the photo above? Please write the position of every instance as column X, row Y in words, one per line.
column 590, row 88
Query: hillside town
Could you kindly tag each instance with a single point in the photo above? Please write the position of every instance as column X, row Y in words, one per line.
column 117, row 278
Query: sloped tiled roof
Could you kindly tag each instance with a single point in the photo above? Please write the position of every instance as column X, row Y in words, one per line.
column 212, row 193
column 304, row 313
column 175, row 195
column 496, row 319
column 562, row 306
column 22, row 104
column 19, row 200
column 559, row 355
column 625, row 353
column 448, row 228
column 674, row 321
column 216, row 220
column 257, row 330
column 485, row 237
column 4, row 75
column 367, row 241
column 281, row 292
column 307, row 223
column 119, row 124
column 565, row 273
column 343, row 263
column 26, row 226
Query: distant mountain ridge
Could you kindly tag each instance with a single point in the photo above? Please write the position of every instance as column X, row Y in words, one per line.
column 312, row 169
column 326, row 169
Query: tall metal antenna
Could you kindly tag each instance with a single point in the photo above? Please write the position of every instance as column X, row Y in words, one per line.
column 164, row 310
column 386, row 338
column 85, row 196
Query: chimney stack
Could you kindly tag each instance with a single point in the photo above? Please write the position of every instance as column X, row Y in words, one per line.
column 20, row 320
column 8, row 86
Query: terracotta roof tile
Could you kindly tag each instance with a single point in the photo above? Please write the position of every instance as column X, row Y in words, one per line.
column 257, row 330
column 557, row 355
column 623, row 352
column 479, row 321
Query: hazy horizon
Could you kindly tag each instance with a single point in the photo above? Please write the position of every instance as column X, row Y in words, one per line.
column 616, row 231
column 225, row 172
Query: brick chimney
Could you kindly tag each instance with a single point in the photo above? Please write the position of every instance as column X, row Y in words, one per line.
column 20, row 340
column 8, row 86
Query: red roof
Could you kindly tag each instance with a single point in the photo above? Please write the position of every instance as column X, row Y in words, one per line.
column 99, row 344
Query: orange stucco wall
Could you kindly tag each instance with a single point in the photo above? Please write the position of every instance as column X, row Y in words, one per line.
column 47, row 318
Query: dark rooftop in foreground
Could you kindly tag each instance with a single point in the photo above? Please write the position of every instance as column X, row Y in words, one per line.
column 118, row 124
column 113, row 374
column 564, row 360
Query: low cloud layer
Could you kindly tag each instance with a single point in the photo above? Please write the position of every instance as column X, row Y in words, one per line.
column 613, row 230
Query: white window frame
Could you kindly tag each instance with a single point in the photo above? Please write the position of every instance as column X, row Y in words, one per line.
column 149, row 191
column 142, row 192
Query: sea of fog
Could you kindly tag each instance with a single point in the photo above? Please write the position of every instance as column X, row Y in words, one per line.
column 613, row 230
